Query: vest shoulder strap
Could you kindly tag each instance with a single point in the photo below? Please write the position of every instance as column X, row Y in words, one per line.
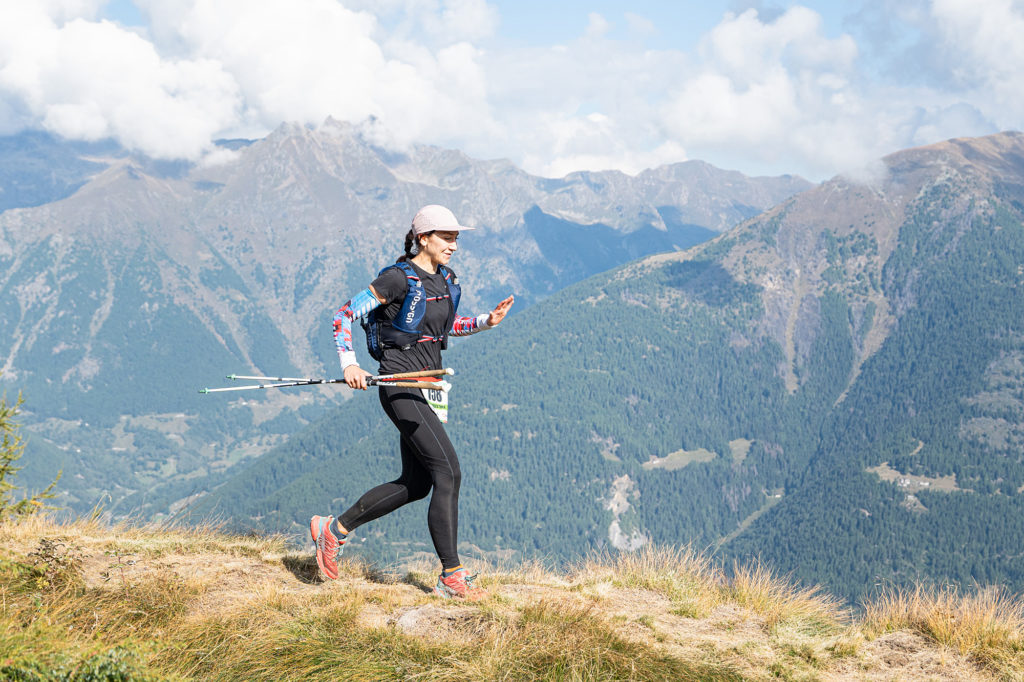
column 452, row 282
column 410, row 316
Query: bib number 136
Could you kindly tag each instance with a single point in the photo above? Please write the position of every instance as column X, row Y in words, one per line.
column 438, row 401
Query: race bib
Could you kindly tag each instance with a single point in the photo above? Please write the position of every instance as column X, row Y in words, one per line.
column 438, row 401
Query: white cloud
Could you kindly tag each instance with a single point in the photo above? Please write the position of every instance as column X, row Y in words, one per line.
column 305, row 60
column 956, row 120
column 439, row 97
column 762, row 93
column 776, row 91
column 433, row 23
column 66, row 10
column 90, row 80
column 597, row 26
column 591, row 142
column 587, row 104
column 988, row 34
column 205, row 69
column 219, row 157
column 746, row 49
column 467, row 20
column 640, row 26
column 984, row 38
column 293, row 61
column 777, row 95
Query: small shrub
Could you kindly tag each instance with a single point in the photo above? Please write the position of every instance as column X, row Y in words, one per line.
column 59, row 563
column 117, row 566
column 119, row 664
column 11, row 449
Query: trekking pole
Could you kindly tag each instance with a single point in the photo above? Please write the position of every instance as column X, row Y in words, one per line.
column 379, row 380
column 380, row 377
column 300, row 382
column 370, row 381
column 435, row 385
column 447, row 371
column 254, row 378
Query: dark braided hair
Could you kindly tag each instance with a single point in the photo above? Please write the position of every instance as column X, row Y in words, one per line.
column 412, row 246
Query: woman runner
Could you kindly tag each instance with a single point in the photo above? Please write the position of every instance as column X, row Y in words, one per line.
column 429, row 461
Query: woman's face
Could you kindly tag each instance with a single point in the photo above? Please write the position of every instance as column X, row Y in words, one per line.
column 439, row 246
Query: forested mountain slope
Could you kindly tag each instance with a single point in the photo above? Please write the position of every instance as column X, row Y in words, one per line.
column 133, row 283
column 919, row 469
column 836, row 385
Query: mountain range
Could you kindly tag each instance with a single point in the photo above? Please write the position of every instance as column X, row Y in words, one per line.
column 126, row 284
column 829, row 377
column 835, row 386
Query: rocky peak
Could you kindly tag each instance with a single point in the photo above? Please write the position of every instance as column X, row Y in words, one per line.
column 840, row 235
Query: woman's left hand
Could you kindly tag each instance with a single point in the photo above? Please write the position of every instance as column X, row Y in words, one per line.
column 500, row 310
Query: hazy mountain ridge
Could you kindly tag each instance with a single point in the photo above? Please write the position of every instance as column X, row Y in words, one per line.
column 154, row 279
column 36, row 168
column 304, row 202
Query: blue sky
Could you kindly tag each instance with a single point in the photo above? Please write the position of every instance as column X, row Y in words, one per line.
column 812, row 88
column 542, row 22
column 677, row 25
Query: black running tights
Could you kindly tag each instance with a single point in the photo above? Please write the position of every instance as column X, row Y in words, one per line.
column 428, row 461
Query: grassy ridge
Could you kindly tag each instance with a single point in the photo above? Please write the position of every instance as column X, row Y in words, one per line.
column 82, row 601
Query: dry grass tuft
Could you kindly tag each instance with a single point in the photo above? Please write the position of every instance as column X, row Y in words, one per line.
column 985, row 624
column 781, row 601
column 147, row 540
column 568, row 640
column 687, row 578
column 533, row 572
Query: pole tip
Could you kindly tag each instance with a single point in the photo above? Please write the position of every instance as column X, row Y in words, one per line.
column 231, row 376
column 204, row 390
column 449, row 371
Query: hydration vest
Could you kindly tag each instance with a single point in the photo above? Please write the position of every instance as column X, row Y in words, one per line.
column 405, row 329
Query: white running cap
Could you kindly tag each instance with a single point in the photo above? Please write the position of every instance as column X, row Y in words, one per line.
column 434, row 217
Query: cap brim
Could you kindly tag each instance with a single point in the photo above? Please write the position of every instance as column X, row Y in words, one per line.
column 447, row 228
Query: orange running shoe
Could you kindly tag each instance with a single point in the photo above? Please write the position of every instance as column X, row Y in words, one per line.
column 328, row 546
column 458, row 585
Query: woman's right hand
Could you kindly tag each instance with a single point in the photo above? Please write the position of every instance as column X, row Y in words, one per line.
column 355, row 377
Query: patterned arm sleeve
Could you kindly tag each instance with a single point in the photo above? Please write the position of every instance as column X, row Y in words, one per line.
column 464, row 326
column 360, row 305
